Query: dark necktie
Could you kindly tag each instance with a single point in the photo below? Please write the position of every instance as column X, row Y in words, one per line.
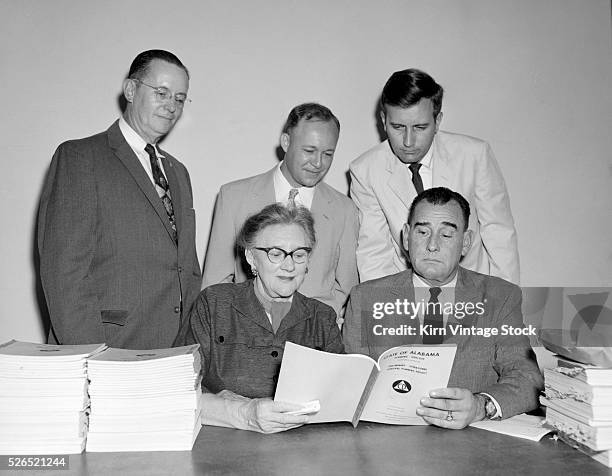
column 292, row 194
column 163, row 190
column 416, row 177
column 433, row 316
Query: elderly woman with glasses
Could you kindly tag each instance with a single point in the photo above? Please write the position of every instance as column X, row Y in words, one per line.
column 242, row 328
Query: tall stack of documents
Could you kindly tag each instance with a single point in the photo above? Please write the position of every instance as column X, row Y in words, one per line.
column 579, row 405
column 43, row 397
column 144, row 400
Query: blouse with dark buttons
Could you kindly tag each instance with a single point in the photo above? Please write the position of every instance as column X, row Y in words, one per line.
column 239, row 350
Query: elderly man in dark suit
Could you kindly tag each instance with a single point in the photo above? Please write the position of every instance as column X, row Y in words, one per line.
column 495, row 374
column 116, row 225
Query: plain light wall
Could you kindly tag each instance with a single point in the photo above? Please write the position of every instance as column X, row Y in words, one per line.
column 531, row 77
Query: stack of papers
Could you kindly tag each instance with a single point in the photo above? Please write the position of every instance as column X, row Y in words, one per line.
column 579, row 405
column 43, row 397
column 144, row 400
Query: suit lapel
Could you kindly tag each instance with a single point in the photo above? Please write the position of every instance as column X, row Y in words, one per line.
column 407, row 283
column 126, row 155
column 403, row 286
column 441, row 165
column 399, row 180
column 321, row 214
column 263, row 190
column 466, row 291
column 400, row 287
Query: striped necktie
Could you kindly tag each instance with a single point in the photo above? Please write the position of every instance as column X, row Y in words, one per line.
column 292, row 194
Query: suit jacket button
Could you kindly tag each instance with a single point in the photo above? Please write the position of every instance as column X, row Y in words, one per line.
column 274, row 353
column 177, row 309
column 221, row 339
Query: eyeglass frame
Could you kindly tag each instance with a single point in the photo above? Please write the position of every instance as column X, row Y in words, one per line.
column 285, row 253
column 164, row 94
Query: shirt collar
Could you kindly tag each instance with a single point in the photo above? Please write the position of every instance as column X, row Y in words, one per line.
column 418, row 282
column 282, row 188
column 136, row 142
column 131, row 136
column 426, row 160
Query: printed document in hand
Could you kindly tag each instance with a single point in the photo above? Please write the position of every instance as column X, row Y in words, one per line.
column 353, row 387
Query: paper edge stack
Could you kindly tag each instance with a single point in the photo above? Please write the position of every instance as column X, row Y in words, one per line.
column 19, row 359
column 574, row 411
column 118, row 407
column 23, row 368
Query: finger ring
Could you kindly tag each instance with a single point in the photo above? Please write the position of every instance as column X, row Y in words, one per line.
column 449, row 415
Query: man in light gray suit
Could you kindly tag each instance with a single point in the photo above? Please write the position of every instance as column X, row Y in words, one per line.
column 309, row 141
column 495, row 374
column 116, row 224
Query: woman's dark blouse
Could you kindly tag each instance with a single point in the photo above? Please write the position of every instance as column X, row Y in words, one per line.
column 239, row 350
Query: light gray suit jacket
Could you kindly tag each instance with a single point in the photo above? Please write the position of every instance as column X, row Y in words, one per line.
column 332, row 270
column 111, row 271
column 381, row 187
column 503, row 366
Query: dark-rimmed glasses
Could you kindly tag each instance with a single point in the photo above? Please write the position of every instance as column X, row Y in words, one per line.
column 278, row 255
column 163, row 94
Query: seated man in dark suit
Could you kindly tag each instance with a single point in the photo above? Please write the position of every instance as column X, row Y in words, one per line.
column 495, row 374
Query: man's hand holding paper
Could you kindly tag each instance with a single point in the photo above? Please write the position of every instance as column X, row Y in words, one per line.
column 453, row 408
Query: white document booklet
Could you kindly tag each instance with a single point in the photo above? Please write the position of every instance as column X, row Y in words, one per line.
column 353, row 387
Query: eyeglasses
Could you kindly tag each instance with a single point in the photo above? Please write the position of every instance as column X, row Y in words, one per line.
column 278, row 255
column 163, row 94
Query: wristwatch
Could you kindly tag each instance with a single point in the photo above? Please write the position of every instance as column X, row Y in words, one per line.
column 489, row 407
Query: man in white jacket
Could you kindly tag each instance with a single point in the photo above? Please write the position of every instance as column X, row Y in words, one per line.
column 417, row 156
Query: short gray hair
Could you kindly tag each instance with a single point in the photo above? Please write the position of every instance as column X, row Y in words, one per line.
column 276, row 214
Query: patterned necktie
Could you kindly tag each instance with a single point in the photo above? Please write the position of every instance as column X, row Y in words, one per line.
column 416, row 177
column 292, row 194
column 433, row 316
column 163, row 190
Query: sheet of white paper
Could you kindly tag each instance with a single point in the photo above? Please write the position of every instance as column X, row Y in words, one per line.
column 522, row 426
column 336, row 380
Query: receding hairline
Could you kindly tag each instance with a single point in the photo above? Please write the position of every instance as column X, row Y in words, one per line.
column 311, row 120
column 150, row 64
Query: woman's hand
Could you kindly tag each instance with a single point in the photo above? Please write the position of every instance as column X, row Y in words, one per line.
column 266, row 416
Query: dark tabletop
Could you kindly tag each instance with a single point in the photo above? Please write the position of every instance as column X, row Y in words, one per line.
column 338, row 448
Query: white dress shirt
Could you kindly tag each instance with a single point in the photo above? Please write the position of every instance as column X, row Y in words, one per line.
column 138, row 144
column 426, row 170
column 282, row 188
column 421, row 294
